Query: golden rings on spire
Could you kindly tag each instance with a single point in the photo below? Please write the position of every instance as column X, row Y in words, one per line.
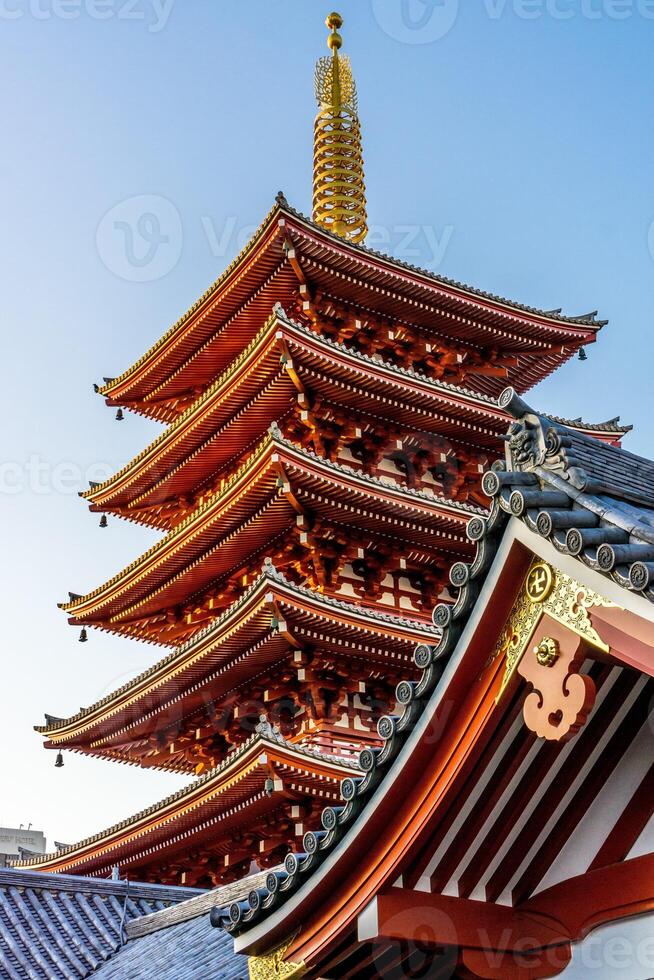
column 339, row 199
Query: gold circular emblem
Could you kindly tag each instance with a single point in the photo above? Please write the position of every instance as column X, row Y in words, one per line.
column 540, row 582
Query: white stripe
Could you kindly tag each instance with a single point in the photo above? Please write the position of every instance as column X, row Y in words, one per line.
column 591, row 832
column 463, row 814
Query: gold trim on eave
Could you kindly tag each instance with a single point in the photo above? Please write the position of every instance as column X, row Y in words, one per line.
column 272, row 966
column 547, row 590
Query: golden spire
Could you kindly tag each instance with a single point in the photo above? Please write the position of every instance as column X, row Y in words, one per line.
column 339, row 194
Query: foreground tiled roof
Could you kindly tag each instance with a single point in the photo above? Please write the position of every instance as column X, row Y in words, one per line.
column 178, row 943
column 60, row 927
column 187, row 951
column 591, row 500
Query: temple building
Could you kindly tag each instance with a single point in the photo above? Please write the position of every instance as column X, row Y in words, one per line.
column 504, row 829
column 329, row 415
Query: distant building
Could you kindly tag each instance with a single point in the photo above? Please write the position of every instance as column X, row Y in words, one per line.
column 20, row 843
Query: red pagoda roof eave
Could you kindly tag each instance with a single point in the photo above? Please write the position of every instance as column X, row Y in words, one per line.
column 196, row 795
column 484, row 300
column 275, row 451
column 399, row 379
column 267, row 231
column 214, row 355
column 201, row 520
column 388, row 624
column 578, row 330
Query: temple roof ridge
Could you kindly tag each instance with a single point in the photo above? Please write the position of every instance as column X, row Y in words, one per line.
column 611, row 425
column 195, row 906
column 587, row 464
column 16, row 877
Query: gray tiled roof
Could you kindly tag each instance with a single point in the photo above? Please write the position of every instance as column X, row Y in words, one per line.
column 591, row 500
column 187, row 951
column 60, row 927
column 178, row 943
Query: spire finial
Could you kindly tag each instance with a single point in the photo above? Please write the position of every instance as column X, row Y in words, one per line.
column 339, row 197
column 334, row 22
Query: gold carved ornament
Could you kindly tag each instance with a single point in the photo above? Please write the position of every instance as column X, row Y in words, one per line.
column 547, row 591
column 339, row 196
column 272, row 966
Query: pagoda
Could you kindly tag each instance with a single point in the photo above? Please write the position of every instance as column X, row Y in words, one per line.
column 329, row 414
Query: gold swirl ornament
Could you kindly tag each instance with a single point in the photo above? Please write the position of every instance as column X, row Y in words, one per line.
column 339, row 197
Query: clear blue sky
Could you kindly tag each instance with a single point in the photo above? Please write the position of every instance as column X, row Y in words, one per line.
column 512, row 141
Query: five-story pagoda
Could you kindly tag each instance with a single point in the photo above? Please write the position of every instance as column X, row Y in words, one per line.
column 329, row 412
